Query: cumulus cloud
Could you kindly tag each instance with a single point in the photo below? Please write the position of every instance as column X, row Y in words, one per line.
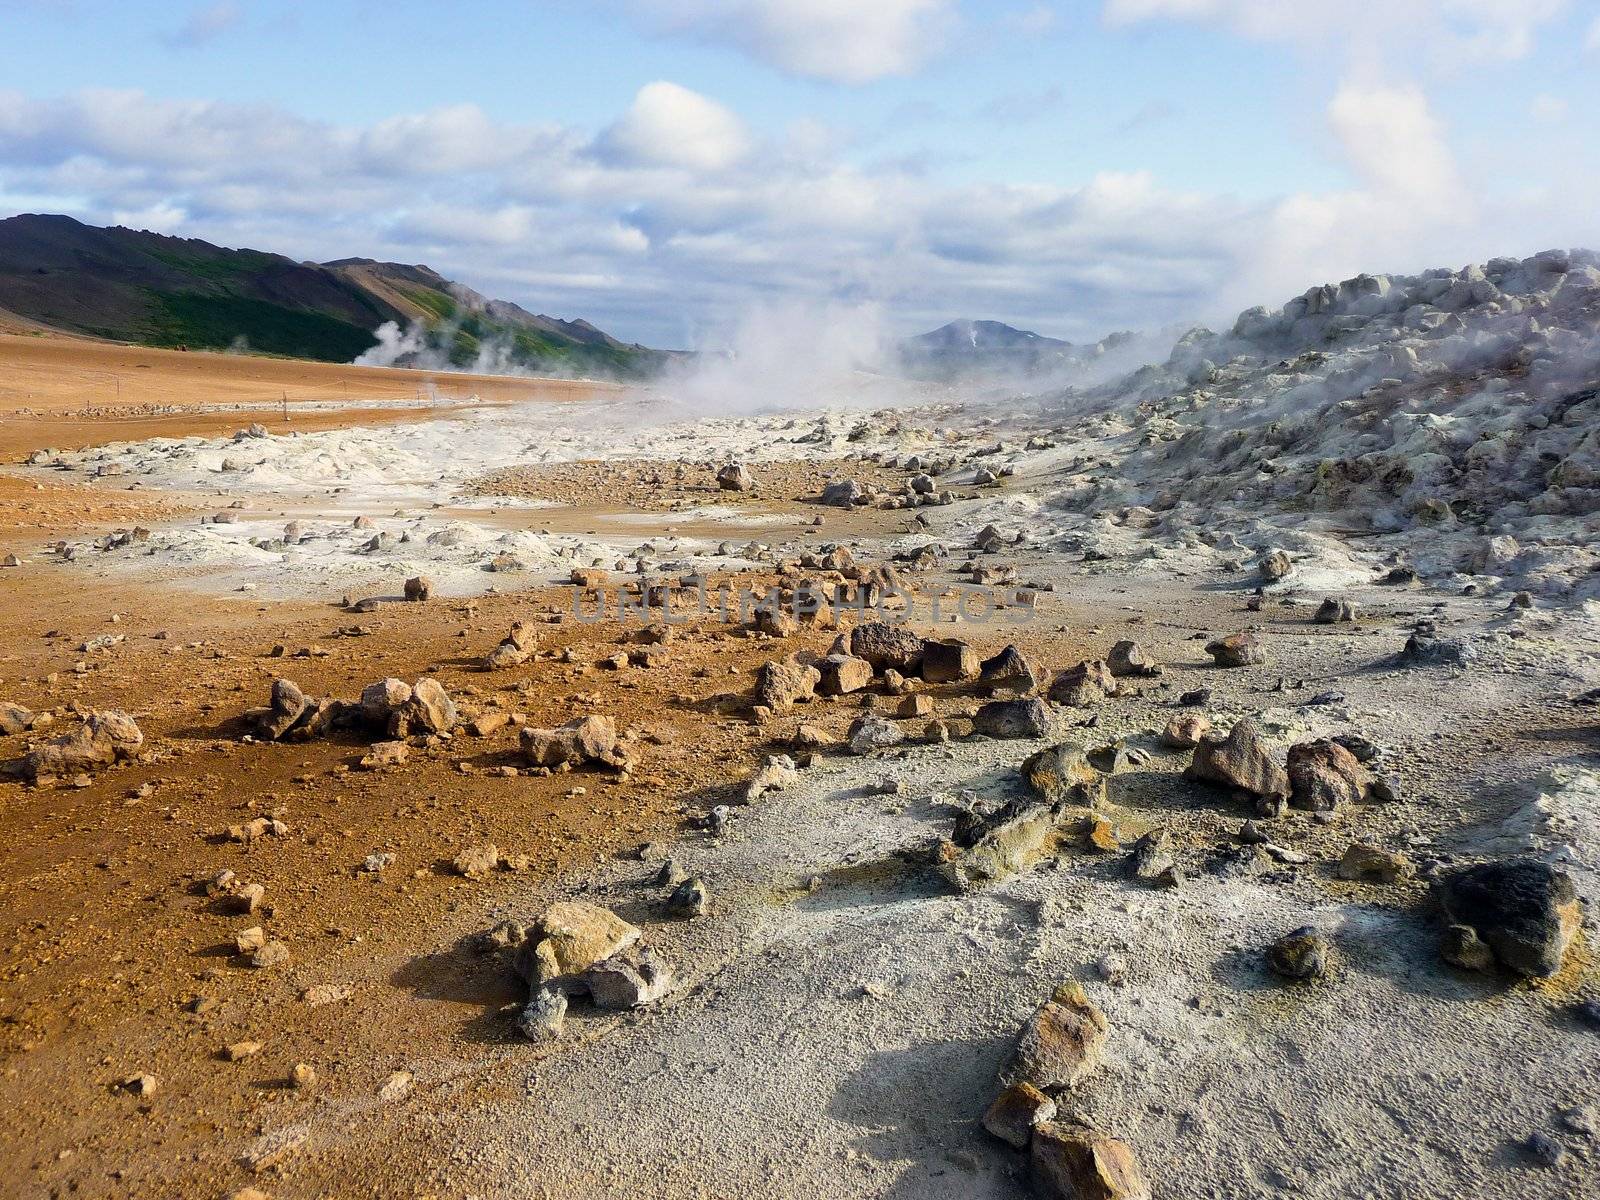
column 844, row 41
column 672, row 221
column 671, row 126
column 1393, row 141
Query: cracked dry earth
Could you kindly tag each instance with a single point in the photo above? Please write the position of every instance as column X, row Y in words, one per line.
column 840, row 1014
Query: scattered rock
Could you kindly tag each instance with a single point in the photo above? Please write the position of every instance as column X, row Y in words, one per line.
column 1274, row 565
column 983, row 849
column 777, row 773
column 477, row 861
column 1364, row 862
column 630, row 978
column 1241, row 760
column 1152, row 860
column 691, row 898
column 544, row 1016
column 568, row 939
column 735, row 477
column 1062, row 775
column 1060, row 1044
column 887, row 646
column 949, row 661
column 843, row 674
column 418, row 588
column 397, row 1087
column 781, row 683
column 1084, row 685
column 1070, row 1162
column 1013, row 719
column 1009, row 673
column 1525, row 910
column 275, row 1148
column 1461, row 946
column 14, row 719
column 273, row 954
column 1302, row 954
column 871, row 732
column 382, row 755
column 1242, row 649
column 1128, row 660
column 103, row 738
column 1426, row 650
column 1336, row 611
column 381, row 700
column 1016, row 1111
column 586, row 739
column 1324, row 777
column 1185, row 732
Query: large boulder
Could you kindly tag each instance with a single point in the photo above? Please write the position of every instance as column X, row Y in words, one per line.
column 1244, row 649
column 949, row 661
column 1240, row 760
column 1072, row 1162
column 1010, row 673
column 585, row 739
column 1061, row 774
column 569, row 939
column 1060, row 1044
column 1324, row 777
column 783, row 682
column 1526, row 911
column 1084, row 685
column 101, row 739
column 1013, row 719
column 843, row 674
column 887, row 646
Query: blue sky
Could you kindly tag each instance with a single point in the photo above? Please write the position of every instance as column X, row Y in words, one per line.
column 663, row 167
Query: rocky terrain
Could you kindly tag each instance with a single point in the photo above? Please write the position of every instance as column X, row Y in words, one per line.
column 1181, row 786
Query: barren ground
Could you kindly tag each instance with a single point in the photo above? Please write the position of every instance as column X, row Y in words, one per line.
column 839, row 1016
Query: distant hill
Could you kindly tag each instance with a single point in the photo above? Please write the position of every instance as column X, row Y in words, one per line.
column 982, row 348
column 993, row 350
column 133, row 286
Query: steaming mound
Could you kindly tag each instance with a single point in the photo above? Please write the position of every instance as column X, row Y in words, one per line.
column 1449, row 399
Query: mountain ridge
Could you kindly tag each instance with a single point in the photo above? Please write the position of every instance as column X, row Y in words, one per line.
column 131, row 285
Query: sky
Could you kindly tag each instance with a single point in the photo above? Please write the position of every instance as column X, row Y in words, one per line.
column 667, row 168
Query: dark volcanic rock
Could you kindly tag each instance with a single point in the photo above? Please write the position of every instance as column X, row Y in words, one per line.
column 1524, row 910
column 1013, row 719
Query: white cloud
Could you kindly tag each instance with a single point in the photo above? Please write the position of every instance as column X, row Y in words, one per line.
column 844, row 41
column 1394, row 143
column 670, row 126
column 678, row 217
column 1449, row 33
column 160, row 218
